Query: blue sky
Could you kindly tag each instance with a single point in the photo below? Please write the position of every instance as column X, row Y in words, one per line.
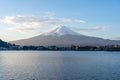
column 26, row 18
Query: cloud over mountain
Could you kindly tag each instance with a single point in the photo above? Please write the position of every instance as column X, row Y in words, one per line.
column 97, row 28
column 25, row 24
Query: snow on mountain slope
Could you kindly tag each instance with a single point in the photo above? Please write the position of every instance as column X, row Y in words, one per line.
column 61, row 30
column 63, row 36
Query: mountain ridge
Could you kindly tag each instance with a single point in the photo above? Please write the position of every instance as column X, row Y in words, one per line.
column 65, row 37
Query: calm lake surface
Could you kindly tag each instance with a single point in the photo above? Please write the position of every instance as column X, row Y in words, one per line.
column 59, row 65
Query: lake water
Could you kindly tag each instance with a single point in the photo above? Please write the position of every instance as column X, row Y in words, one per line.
column 59, row 65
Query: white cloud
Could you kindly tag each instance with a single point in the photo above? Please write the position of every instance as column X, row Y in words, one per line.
column 22, row 29
column 25, row 24
column 100, row 28
column 97, row 28
column 65, row 20
column 27, row 19
column 80, row 21
column 115, row 38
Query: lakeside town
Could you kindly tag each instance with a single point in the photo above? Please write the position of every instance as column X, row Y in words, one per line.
column 8, row 46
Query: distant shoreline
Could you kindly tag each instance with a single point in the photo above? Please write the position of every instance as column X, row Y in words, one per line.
column 4, row 46
column 61, row 50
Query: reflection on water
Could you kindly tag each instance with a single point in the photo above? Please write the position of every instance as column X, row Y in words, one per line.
column 59, row 65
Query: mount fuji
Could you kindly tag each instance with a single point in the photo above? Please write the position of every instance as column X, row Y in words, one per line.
column 62, row 36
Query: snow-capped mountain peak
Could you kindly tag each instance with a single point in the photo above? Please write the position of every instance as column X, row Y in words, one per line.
column 61, row 30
